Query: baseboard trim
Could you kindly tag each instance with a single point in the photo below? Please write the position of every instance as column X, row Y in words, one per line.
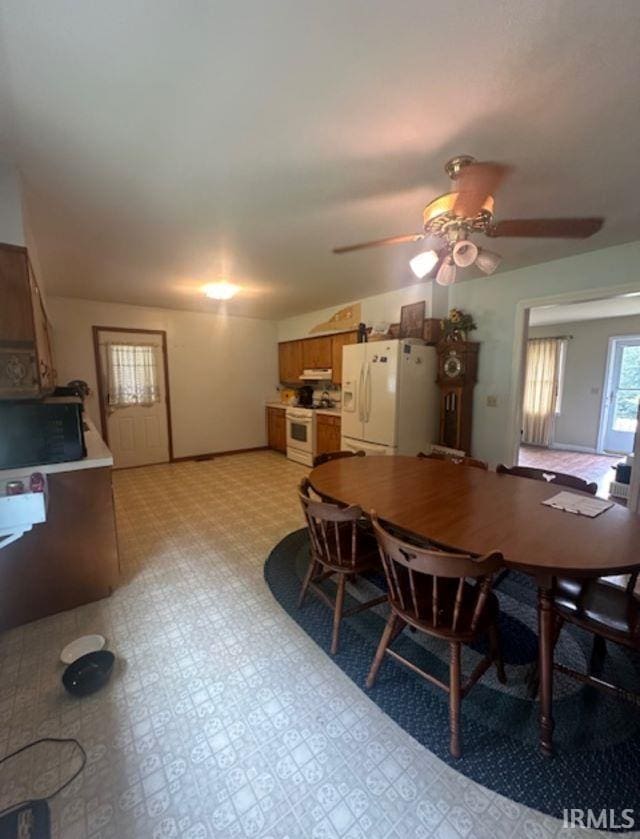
column 569, row 447
column 212, row 455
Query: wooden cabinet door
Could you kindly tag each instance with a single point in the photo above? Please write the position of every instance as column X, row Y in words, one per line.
column 337, row 343
column 16, row 318
column 276, row 429
column 290, row 361
column 316, row 352
column 327, row 434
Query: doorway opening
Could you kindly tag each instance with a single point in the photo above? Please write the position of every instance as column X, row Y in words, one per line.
column 581, row 389
column 133, row 389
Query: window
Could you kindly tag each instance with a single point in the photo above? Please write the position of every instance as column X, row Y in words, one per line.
column 133, row 375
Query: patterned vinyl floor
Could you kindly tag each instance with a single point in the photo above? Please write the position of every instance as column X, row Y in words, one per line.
column 222, row 719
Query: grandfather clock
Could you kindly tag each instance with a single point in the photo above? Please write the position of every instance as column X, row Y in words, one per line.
column 457, row 375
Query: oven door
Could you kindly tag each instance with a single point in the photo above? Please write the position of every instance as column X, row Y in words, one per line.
column 300, row 433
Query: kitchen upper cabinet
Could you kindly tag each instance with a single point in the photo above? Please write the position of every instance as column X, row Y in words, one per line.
column 337, row 343
column 277, row 429
column 26, row 361
column 290, row 361
column 327, row 433
column 316, row 352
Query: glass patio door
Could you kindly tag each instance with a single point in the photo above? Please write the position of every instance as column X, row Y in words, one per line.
column 623, row 395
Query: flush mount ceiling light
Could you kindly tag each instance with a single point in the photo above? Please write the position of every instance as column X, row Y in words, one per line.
column 220, row 291
column 467, row 210
column 423, row 263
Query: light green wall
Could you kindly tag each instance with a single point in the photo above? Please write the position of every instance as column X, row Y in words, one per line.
column 581, row 399
column 493, row 301
column 378, row 307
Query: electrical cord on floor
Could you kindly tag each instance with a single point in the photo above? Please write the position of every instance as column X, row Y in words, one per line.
column 31, row 745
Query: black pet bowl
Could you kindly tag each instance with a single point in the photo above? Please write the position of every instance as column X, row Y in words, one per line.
column 88, row 673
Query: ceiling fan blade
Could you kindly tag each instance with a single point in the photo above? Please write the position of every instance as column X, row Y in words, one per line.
column 474, row 184
column 560, row 228
column 390, row 240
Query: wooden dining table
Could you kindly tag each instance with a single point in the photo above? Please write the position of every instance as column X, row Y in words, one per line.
column 481, row 511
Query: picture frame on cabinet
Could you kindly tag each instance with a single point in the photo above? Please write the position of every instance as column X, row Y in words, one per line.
column 412, row 320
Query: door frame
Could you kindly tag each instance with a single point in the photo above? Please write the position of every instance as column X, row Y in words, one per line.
column 165, row 363
column 518, row 365
column 608, row 375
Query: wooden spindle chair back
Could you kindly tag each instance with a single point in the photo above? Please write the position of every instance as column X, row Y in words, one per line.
column 333, row 530
column 325, row 457
column 550, row 476
column 459, row 461
column 412, row 571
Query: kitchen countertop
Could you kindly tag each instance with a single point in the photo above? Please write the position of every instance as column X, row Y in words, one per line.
column 97, row 455
column 332, row 412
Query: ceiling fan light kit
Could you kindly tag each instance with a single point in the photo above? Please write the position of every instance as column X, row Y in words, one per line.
column 468, row 209
column 423, row 263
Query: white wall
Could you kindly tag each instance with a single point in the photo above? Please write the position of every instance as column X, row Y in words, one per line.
column 581, row 399
column 221, row 369
column 378, row 307
column 493, row 302
column 11, row 229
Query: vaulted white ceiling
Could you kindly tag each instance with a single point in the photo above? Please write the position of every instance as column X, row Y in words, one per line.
column 164, row 145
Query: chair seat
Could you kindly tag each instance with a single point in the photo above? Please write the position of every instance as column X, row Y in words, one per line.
column 447, row 589
column 599, row 606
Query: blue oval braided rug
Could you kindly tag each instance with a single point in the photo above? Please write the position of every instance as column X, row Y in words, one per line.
column 597, row 737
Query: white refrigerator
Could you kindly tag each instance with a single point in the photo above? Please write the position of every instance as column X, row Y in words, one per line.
column 389, row 397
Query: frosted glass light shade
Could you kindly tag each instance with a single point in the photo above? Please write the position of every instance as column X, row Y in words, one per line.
column 487, row 261
column 464, row 253
column 423, row 263
column 446, row 272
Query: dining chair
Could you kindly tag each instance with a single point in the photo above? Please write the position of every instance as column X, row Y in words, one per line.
column 609, row 612
column 325, row 457
column 446, row 595
column 459, row 461
column 550, row 476
column 338, row 546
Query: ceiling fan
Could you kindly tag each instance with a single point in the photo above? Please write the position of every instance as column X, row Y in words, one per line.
column 467, row 209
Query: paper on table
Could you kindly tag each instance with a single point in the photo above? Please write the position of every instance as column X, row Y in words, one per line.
column 581, row 505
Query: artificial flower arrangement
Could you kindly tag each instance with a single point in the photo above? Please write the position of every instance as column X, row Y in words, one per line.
column 456, row 325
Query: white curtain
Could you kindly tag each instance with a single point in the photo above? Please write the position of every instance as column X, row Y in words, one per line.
column 541, row 390
column 132, row 375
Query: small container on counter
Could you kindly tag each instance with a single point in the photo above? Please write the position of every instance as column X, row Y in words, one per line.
column 14, row 488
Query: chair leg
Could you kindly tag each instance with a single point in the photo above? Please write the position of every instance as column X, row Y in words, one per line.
column 598, row 655
column 385, row 640
column 454, row 698
column 337, row 612
column 307, row 579
column 495, row 648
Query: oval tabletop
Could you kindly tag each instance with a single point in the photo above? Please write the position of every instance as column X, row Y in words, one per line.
column 480, row 511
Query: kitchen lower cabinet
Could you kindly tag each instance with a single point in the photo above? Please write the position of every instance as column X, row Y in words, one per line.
column 276, row 429
column 327, row 433
column 70, row 559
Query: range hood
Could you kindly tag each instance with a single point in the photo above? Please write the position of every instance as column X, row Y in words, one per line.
column 317, row 374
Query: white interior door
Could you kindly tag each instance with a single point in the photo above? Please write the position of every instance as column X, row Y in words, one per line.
column 380, row 389
column 138, row 434
column 623, row 396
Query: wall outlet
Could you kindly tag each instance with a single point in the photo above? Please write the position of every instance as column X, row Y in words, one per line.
column 492, row 401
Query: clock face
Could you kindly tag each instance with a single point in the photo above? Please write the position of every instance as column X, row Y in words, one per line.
column 452, row 366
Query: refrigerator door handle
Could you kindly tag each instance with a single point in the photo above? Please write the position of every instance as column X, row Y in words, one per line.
column 368, row 392
column 360, row 394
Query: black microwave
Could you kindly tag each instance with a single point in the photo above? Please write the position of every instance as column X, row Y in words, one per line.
column 37, row 433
